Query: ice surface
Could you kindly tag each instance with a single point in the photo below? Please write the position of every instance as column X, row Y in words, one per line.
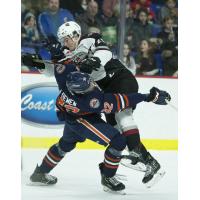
column 79, row 178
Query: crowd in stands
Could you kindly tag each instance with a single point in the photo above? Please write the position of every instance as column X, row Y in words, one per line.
column 151, row 31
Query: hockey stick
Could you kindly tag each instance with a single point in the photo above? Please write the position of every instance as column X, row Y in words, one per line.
column 62, row 61
column 171, row 105
column 35, row 58
column 43, row 61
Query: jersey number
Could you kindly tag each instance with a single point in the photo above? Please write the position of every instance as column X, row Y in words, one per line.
column 70, row 108
column 107, row 107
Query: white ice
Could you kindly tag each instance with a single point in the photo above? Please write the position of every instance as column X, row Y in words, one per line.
column 79, row 178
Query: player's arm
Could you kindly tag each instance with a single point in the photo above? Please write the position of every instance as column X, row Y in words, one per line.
column 116, row 102
column 101, row 53
column 111, row 103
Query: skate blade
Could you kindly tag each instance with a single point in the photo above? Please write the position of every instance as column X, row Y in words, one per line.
column 38, row 184
column 106, row 189
column 138, row 167
column 156, row 178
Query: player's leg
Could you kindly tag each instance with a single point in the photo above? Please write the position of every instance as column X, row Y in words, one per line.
column 125, row 82
column 97, row 130
column 137, row 150
column 54, row 155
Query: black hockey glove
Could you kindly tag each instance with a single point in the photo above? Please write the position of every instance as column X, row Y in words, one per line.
column 158, row 96
column 33, row 60
column 89, row 64
column 54, row 47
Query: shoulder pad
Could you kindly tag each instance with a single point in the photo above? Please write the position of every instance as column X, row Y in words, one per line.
column 98, row 39
column 91, row 35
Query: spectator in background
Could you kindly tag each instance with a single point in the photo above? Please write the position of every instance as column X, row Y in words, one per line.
column 136, row 5
column 110, row 22
column 50, row 20
column 129, row 26
column 169, row 46
column 158, row 2
column 142, row 30
column 31, row 6
column 169, row 9
column 29, row 30
column 145, row 60
column 129, row 60
column 110, row 12
column 77, row 7
column 109, row 7
column 89, row 18
column 26, row 7
column 94, row 29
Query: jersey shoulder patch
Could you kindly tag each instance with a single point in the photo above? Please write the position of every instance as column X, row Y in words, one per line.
column 60, row 68
column 94, row 103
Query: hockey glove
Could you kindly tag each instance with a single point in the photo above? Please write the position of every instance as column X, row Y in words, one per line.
column 90, row 64
column 54, row 47
column 158, row 96
column 33, row 60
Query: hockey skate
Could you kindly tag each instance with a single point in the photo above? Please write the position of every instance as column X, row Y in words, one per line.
column 133, row 161
column 111, row 184
column 41, row 179
column 153, row 172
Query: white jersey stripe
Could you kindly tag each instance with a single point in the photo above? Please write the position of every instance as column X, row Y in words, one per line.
column 94, row 130
column 122, row 101
column 52, row 161
column 111, row 163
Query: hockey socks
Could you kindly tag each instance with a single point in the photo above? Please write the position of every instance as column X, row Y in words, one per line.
column 112, row 159
column 133, row 138
column 134, row 144
column 51, row 159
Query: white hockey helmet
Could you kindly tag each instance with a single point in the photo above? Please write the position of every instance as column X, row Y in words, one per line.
column 68, row 29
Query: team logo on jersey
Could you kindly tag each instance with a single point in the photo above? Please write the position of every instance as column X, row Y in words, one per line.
column 60, row 68
column 94, row 103
column 38, row 105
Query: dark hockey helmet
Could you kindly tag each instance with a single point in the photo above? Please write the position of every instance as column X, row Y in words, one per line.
column 79, row 83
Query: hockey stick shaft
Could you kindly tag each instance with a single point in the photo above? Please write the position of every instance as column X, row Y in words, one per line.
column 43, row 61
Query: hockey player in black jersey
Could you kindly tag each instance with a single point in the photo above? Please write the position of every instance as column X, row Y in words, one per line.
column 79, row 103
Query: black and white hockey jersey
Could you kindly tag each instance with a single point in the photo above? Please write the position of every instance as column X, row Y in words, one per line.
column 93, row 45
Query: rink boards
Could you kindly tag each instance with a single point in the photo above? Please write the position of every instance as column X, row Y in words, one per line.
column 158, row 125
column 42, row 142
